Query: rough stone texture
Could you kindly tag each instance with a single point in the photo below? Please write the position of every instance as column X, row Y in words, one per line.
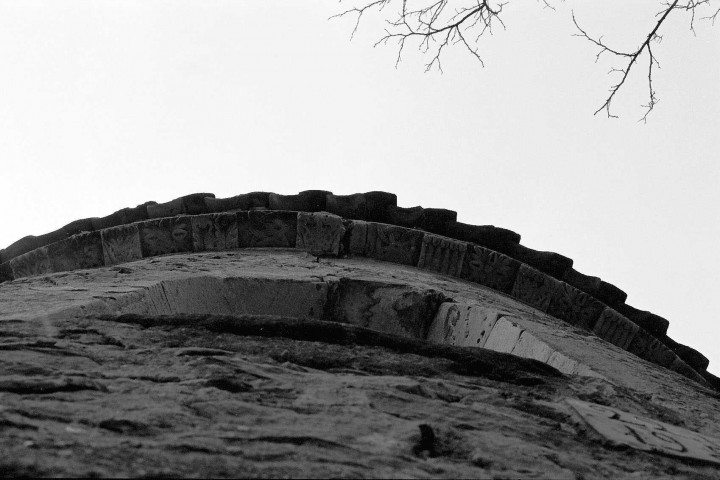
column 260, row 228
column 166, row 209
column 247, row 201
column 610, row 294
column 218, row 231
column 385, row 307
column 692, row 357
column 121, row 244
column 35, row 262
column 122, row 217
column 615, row 328
column 650, row 348
column 6, row 273
column 166, row 235
column 463, row 325
column 504, row 335
column 437, row 220
column 442, row 255
column 550, row 263
column 31, row 242
column 575, row 307
column 534, row 287
column 79, row 251
column 78, row 226
column 307, row 201
column 355, row 238
column 499, row 239
column 405, row 217
column 376, row 205
column 347, row 206
column 654, row 324
column 490, row 268
column 319, row 233
column 393, row 244
column 583, row 282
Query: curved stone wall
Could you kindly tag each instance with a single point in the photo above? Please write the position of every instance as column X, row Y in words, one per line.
column 367, row 224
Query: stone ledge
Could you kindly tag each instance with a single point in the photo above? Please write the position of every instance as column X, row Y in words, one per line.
column 401, row 240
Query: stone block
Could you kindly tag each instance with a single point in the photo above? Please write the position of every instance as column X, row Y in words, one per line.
column 347, row 206
column 34, row 262
column 195, row 203
column 78, row 226
column 122, row 217
column 376, row 205
column 385, row 307
column 679, row 366
column 463, row 325
column 319, row 233
column 80, row 251
column 489, row 236
column 214, row 231
column 615, row 328
column 6, row 273
column 692, row 357
column 504, row 336
column 550, row 263
column 711, row 379
column 307, row 201
column 586, row 283
column 654, row 324
column 437, row 220
column 404, row 217
column 246, row 201
column 121, row 244
column 564, row 363
column 489, row 268
column 442, row 255
column 167, row 209
column 267, row 228
column 355, row 238
column 529, row 346
column 31, row 242
column 651, row 349
column 575, row 307
column 610, row 294
column 390, row 243
column 534, row 287
column 166, row 235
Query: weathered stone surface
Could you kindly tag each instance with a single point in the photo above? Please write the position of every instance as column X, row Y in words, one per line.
column 247, row 201
column 6, row 273
column 384, row 307
column 195, row 203
column 355, row 239
column 347, row 206
column 409, row 217
column 214, row 231
column 376, row 205
column 122, row 217
column 610, row 294
column 528, row 346
column 166, row 209
column 490, row 268
column 307, row 201
column 80, row 251
column 534, row 287
column 463, row 325
column 504, row 336
column 654, row 324
column 495, row 238
column 319, row 233
column 267, row 228
column 34, row 262
column 583, row 282
column 615, row 328
column 31, row 242
column 626, row 429
column 121, row 244
column 437, row 220
column 442, row 255
column 166, row 235
column 550, row 263
column 393, row 244
column 78, row 226
column 679, row 366
column 575, row 307
column 692, row 357
column 651, row 349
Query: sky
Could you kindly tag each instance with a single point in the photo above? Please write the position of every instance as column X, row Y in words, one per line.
column 107, row 104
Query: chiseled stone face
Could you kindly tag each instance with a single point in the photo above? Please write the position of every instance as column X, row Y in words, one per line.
column 651, row 349
column 34, row 262
column 267, row 228
column 575, row 307
column 121, row 244
column 489, row 268
column 443, row 255
column 393, row 244
column 534, row 287
column 166, row 235
column 463, row 325
column 79, row 251
column 615, row 328
column 215, row 232
column 319, row 233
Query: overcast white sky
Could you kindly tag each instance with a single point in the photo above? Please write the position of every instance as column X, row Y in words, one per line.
column 108, row 104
